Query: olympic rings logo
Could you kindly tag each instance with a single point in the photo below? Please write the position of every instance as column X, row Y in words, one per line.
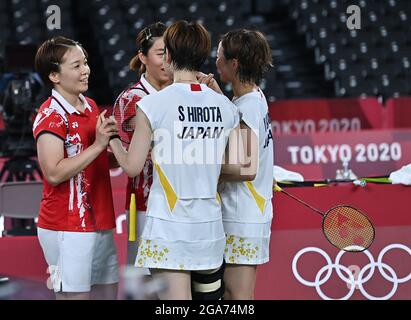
column 345, row 273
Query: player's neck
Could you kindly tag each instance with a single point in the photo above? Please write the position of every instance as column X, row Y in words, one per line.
column 73, row 99
column 184, row 76
column 241, row 88
column 155, row 83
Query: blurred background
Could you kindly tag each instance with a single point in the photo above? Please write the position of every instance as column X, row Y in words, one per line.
column 315, row 54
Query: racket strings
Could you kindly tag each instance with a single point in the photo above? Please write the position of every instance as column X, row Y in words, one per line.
column 348, row 229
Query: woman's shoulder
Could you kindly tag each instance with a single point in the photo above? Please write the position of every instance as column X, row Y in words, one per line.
column 135, row 90
column 47, row 110
column 45, row 104
column 48, row 118
column 255, row 99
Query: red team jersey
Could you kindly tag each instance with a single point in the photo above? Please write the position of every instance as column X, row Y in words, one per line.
column 84, row 203
column 127, row 101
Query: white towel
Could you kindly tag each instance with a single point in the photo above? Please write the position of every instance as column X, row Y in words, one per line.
column 402, row 176
column 281, row 174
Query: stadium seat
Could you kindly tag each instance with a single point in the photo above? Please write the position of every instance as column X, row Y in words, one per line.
column 11, row 192
column 312, row 33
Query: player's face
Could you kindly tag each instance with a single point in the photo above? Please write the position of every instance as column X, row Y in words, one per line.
column 154, row 62
column 74, row 72
column 224, row 67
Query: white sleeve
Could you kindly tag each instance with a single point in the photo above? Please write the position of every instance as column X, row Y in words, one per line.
column 237, row 118
column 236, row 114
column 250, row 116
column 146, row 105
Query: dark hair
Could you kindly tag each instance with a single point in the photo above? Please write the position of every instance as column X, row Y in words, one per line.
column 50, row 55
column 188, row 44
column 252, row 51
column 144, row 42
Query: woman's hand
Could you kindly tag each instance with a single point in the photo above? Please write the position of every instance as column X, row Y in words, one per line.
column 105, row 129
column 209, row 81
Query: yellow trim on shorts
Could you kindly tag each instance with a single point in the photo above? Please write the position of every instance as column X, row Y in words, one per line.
column 260, row 201
column 218, row 198
column 168, row 189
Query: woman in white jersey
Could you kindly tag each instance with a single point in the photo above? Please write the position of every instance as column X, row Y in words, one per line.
column 242, row 57
column 148, row 64
column 189, row 124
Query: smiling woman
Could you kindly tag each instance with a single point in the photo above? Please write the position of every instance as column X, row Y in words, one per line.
column 151, row 77
column 51, row 56
column 76, row 215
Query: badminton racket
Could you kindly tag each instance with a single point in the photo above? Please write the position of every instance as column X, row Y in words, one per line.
column 344, row 226
column 317, row 183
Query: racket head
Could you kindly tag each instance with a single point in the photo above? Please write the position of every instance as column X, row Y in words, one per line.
column 124, row 114
column 348, row 229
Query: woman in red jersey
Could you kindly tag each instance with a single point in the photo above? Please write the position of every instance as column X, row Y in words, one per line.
column 148, row 64
column 76, row 213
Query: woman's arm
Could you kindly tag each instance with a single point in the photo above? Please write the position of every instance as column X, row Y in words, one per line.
column 56, row 168
column 133, row 161
column 246, row 168
column 250, row 140
column 112, row 161
column 241, row 158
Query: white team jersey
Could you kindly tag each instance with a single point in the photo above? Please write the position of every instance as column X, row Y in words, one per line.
column 191, row 125
column 251, row 201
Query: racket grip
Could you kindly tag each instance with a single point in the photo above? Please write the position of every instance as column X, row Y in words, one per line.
column 132, row 219
column 361, row 183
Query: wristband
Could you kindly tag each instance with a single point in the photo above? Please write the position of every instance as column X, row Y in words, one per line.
column 114, row 137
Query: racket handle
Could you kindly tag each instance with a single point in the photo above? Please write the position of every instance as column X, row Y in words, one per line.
column 132, row 219
column 361, row 183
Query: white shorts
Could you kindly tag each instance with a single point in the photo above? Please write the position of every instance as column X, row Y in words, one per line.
column 247, row 243
column 79, row 260
column 177, row 245
column 132, row 246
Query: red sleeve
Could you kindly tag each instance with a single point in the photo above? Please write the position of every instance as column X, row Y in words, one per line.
column 127, row 104
column 49, row 121
column 130, row 108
